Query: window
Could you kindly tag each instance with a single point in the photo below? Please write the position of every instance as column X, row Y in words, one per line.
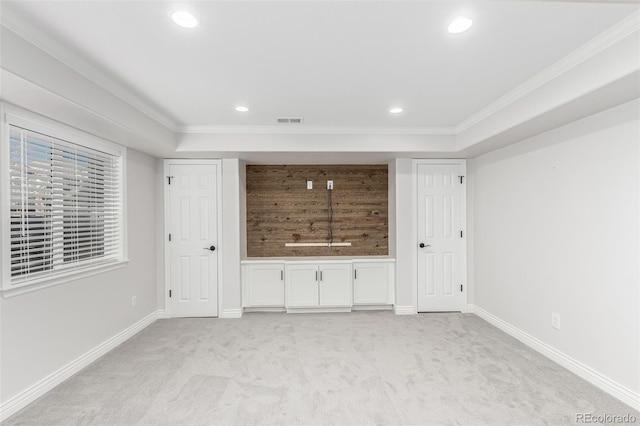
column 65, row 203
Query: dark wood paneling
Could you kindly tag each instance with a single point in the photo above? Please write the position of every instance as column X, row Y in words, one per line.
column 280, row 209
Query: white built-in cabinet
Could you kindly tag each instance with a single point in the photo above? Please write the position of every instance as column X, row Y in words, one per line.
column 263, row 285
column 311, row 285
column 371, row 283
column 335, row 285
column 324, row 285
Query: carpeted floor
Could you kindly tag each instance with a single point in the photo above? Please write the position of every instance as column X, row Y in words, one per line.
column 360, row 368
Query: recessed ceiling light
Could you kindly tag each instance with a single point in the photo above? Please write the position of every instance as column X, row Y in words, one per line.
column 395, row 110
column 460, row 25
column 184, row 19
column 242, row 109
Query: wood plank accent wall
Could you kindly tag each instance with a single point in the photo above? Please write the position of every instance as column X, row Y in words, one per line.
column 280, row 209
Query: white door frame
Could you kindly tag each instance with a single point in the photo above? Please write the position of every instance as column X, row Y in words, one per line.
column 167, row 252
column 414, row 237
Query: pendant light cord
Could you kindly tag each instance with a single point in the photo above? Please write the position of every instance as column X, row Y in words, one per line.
column 330, row 210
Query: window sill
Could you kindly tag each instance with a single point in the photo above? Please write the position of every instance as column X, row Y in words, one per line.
column 62, row 279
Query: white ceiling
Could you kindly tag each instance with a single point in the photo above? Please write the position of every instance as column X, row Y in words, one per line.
column 335, row 63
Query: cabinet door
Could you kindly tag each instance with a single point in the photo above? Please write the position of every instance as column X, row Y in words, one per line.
column 302, row 285
column 335, row 285
column 265, row 285
column 371, row 284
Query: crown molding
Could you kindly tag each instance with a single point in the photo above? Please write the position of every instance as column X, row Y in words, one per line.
column 27, row 86
column 15, row 23
column 302, row 129
column 621, row 30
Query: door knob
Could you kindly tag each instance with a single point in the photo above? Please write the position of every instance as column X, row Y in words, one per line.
column 423, row 245
column 211, row 248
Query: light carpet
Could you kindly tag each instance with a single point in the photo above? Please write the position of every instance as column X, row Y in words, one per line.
column 360, row 368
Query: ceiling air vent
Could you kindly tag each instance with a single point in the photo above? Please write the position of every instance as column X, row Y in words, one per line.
column 290, row 120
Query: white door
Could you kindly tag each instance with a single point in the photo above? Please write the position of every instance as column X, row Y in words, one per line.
column 193, row 249
column 441, row 268
column 335, row 285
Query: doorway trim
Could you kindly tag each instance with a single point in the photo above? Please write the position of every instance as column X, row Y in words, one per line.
column 414, row 214
column 167, row 260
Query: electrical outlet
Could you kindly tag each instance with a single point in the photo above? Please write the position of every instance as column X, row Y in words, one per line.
column 134, row 301
column 555, row 320
column 329, row 184
column 309, row 184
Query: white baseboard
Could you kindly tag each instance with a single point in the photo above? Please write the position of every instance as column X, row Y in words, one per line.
column 265, row 309
column 372, row 308
column 404, row 310
column 232, row 313
column 24, row 398
column 317, row 310
column 468, row 309
column 611, row 387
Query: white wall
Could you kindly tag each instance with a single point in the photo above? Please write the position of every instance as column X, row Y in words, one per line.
column 161, row 237
column 406, row 269
column 392, row 202
column 470, row 234
column 230, row 245
column 556, row 221
column 243, row 208
column 42, row 331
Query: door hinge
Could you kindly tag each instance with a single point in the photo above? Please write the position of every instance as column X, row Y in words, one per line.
column 169, row 293
column 460, row 287
column 461, row 234
column 169, row 237
column 461, row 178
column 169, row 179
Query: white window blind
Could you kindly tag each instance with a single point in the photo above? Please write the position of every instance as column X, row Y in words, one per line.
column 65, row 206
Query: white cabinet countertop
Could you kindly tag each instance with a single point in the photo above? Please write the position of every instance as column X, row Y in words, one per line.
column 318, row 259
